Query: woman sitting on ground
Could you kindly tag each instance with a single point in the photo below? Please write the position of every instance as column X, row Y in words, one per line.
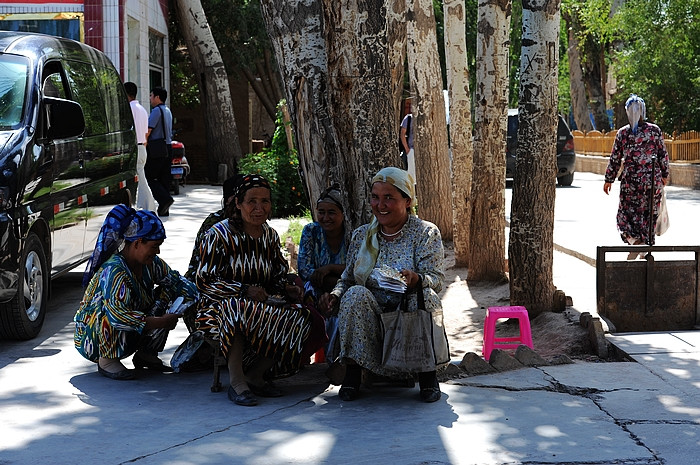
column 321, row 259
column 246, row 300
column 395, row 239
column 122, row 312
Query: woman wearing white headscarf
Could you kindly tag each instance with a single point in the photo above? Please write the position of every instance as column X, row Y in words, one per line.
column 394, row 239
column 635, row 145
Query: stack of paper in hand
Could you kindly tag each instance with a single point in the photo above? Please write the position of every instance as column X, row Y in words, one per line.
column 390, row 279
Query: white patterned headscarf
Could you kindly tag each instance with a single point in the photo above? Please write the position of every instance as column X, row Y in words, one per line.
column 369, row 250
column 636, row 111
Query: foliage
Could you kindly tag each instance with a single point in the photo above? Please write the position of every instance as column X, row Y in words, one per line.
column 184, row 89
column 280, row 166
column 296, row 225
column 660, row 60
column 239, row 31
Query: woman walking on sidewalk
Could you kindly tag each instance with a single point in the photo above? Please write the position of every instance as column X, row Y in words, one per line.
column 635, row 145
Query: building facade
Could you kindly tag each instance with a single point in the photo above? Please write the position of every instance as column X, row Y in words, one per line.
column 132, row 33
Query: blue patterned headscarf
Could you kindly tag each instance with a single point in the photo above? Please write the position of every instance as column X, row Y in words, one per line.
column 636, row 111
column 122, row 224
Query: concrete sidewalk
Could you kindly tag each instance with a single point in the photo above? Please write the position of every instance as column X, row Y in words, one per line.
column 56, row 409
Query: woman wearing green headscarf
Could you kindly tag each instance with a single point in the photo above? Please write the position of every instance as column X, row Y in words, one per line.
column 398, row 241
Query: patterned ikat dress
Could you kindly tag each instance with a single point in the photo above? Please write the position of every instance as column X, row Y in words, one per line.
column 111, row 318
column 231, row 259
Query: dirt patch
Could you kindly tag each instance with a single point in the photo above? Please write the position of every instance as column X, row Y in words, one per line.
column 465, row 307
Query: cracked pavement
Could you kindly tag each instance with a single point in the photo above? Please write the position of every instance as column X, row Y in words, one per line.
column 55, row 408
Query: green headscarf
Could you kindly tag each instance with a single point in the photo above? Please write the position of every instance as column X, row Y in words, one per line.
column 369, row 250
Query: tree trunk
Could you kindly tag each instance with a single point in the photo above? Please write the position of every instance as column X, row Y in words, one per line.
column 488, row 240
column 430, row 130
column 223, row 146
column 460, row 126
column 256, row 85
column 534, row 190
column 341, row 71
column 592, row 77
column 579, row 102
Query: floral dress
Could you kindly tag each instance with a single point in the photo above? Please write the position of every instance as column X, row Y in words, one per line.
column 111, row 319
column 419, row 248
column 231, row 260
column 634, row 153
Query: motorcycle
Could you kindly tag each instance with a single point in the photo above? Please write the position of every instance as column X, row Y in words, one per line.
column 179, row 168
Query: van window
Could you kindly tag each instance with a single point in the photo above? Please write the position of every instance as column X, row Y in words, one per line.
column 118, row 110
column 85, row 90
column 13, row 86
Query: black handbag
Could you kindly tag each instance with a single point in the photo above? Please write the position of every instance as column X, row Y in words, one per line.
column 157, row 148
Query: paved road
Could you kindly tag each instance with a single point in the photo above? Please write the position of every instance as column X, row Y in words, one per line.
column 56, row 409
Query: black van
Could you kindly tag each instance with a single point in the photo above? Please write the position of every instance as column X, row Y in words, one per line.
column 67, row 156
column 566, row 155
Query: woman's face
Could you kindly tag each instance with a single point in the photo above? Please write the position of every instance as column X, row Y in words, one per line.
column 256, row 206
column 145, row 251
column 388, row 205
column 330, row 217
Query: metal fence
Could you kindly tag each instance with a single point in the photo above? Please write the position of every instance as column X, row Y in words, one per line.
column 683, row 147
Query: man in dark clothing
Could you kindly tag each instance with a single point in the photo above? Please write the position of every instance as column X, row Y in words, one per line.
column 159, row 137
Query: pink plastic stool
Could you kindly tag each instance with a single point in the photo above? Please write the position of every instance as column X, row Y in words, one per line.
column 493, row 314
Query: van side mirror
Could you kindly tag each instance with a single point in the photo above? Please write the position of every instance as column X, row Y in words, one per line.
column 65, row 118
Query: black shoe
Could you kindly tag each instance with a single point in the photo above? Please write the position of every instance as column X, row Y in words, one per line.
column 430, row 394
column 350, row 389
column 123, row 375
column 429, row 387
column 164, row 208
column 266, row 390
column 245, row 398
column 348, row 393
column 150, row 365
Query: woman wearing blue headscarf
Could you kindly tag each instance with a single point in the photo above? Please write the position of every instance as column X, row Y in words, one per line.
column 635, row 145
column 122, row 311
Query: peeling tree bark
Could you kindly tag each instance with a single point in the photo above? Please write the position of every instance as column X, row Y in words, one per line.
column 222, row 136
column 532, row 214
column 430, row 129
column 487, row 250
column 340, row 63
column 579, row 103
column 460, row 125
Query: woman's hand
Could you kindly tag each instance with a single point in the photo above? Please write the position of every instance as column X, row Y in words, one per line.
column 326, row 303
column 167, row 321
column 664, row 180
column 318, row 276
column 295, row 293
column 411, row 278
column 606, row 188
column 256, row 293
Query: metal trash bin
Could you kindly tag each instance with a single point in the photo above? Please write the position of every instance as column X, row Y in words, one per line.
column 649, row 294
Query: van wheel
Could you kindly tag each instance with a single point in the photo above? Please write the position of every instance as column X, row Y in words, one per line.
column 566, row 180
column 22, row 317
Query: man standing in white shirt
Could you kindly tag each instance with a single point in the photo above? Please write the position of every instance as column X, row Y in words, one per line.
column 144, row 196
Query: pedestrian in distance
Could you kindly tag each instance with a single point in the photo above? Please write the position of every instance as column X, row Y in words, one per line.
column 144, row 196
column 159, row 139
column 636, row 146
